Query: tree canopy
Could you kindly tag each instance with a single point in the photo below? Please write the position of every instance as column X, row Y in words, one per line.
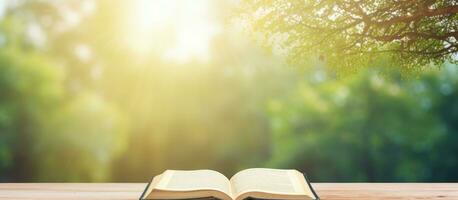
column 353, row 34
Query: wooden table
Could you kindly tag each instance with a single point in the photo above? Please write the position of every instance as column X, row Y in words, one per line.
column 327, row 191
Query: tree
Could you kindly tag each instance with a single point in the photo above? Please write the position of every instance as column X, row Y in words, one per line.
column 44, row 134
column 353, row 34
column 369, row 127
column 29, row 90
column 205, row 107
column 79, row 141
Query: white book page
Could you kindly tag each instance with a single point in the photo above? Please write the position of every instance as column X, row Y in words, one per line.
column 181, row 180
column 273, row 181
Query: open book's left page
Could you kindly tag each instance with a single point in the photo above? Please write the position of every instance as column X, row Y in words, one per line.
column 175, row 184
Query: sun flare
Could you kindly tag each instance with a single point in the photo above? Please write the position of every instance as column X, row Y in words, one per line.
column 176, row 30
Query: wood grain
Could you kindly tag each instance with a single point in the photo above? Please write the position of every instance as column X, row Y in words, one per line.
column 327, row 191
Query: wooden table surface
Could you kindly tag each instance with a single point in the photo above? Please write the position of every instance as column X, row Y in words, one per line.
column 327, row 191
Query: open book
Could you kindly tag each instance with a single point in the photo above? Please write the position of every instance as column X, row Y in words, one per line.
column 256, row 183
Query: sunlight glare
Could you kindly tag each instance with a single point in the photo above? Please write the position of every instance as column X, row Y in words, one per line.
column 151, row 14
column 177, row 30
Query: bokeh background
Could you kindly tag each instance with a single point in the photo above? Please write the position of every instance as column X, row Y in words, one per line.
column 111, row 90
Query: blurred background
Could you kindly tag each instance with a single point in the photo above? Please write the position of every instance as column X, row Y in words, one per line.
column 111, row 90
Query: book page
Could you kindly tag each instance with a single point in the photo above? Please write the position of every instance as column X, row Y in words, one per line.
column 181, row 180
column 273, row 181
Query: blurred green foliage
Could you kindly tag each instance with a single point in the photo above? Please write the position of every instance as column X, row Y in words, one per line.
column 29, row 90
column 369, row 128
column 82, row 107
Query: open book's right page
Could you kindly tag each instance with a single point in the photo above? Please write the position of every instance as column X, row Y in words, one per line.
column 270, row 184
